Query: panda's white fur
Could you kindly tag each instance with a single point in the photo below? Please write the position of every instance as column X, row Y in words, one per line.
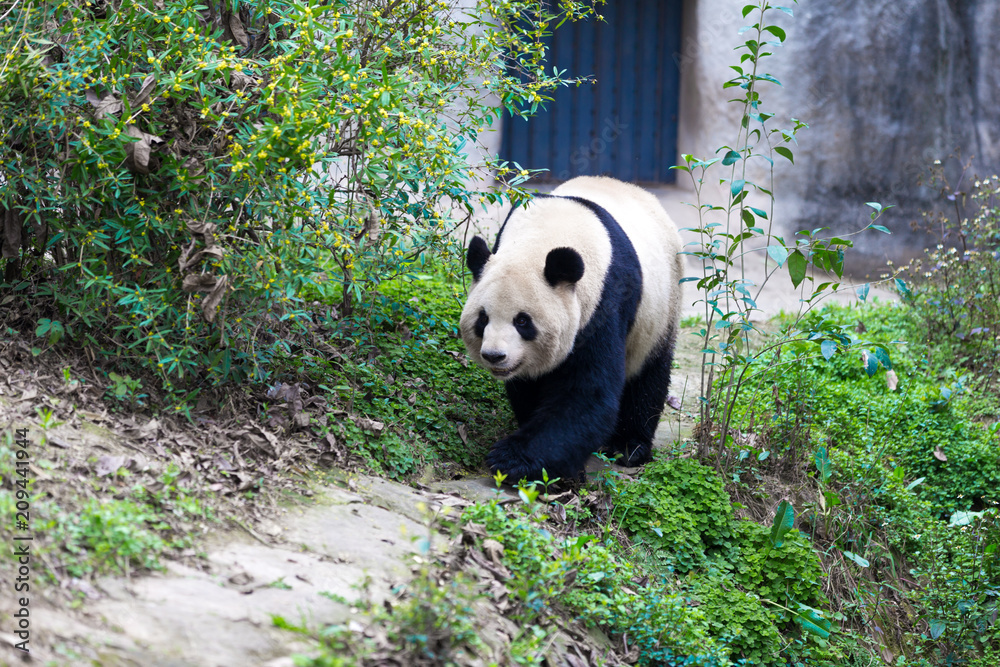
column 512, row 280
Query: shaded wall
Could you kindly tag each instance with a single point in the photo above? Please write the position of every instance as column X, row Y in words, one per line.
column 887, row 87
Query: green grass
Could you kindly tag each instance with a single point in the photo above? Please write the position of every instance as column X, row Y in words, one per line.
column 84, row 532
column 926, row 418
column 403, row 367
column 905, row 461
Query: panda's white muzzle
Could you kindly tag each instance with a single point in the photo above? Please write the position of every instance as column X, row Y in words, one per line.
column 501, row 373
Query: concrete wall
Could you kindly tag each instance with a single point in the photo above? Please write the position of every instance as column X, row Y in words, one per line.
column 887, row 87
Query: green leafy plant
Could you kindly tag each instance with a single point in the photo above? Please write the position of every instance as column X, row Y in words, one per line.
column 405, row 371
column 429, row 620
column 125, row 388
column 679, row 510
column 740, row 621
column 175, row 178
column 587, row 577
column 958, row 282
column 112, row 535
column 741, row 229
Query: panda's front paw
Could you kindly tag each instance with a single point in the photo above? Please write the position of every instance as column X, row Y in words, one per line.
column 637, row 453
column 507, row 456
column 629, row 453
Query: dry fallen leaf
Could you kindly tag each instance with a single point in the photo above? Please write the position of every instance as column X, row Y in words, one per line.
column 240, row 579
column 108, row 465
column 370, row 425
column 104, row 104
column 474, row 529
column 891, row 380
column 494, row 550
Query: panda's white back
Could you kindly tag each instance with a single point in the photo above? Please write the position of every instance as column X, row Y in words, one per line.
column 657, row 243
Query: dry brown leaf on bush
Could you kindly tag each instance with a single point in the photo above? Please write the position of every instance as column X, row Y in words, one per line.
column 891, row 380
column 104, row 104
column 194, row 167
column 239, row 81
column 186, row 260
column 139, row 152
column 203, row 228
column 239, row 34
column 199, row 282
column 145, row 92
column 204, row 282
column 214, row 298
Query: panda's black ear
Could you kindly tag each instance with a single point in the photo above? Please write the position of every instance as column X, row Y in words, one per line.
column 476, row 258
column 563, row 265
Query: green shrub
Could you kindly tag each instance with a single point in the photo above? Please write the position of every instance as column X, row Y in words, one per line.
column 740, row 621
column 789, row 575
column 105, row 535
column 766, row 603
column 177, row 178
column 586, row 577
column 408, row 371
column 679, row 510
column 922, row 425
column 956, row 297
column 430, row 620
column 958, row 569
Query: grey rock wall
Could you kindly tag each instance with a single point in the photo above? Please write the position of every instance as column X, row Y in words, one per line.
column 887, row 87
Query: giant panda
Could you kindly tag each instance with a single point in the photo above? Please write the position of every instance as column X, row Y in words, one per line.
column 575, row 309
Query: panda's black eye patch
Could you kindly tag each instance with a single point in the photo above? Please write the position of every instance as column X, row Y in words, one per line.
column 525, row 326
column 481, row 323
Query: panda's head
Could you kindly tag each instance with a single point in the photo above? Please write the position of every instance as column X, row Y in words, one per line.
column 522, row 313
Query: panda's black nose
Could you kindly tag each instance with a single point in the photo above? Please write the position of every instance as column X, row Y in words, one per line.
column 494, row 357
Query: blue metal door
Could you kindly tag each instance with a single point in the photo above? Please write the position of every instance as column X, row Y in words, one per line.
column 625, row 124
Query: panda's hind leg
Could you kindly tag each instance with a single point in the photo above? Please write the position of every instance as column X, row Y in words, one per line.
column 640, row 409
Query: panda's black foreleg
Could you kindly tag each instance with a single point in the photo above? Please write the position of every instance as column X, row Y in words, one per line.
column 523, row 397
column 640, row 409
column 569, row 414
